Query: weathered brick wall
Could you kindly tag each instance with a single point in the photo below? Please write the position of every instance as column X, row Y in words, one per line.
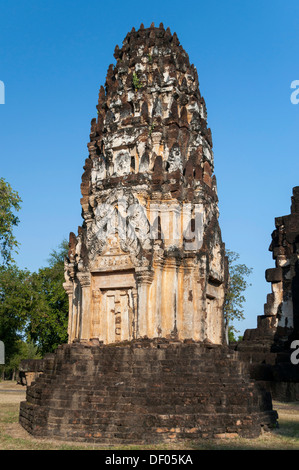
column 267, row 348
column 145, row 392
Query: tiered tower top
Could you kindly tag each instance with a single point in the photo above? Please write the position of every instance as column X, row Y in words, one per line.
column 152, row 121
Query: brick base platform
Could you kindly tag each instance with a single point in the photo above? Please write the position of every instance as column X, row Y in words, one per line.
column 145, row 392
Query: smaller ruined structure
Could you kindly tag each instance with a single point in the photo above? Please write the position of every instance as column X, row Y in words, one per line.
column 268, row 348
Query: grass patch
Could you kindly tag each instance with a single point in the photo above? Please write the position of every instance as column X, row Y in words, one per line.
column 9, row 413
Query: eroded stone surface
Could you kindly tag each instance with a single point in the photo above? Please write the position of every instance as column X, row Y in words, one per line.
column 149, row 203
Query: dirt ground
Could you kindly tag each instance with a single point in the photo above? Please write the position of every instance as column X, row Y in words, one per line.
column 11, row 392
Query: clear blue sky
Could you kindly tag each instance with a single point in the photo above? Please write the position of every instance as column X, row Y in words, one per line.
column 54, row 57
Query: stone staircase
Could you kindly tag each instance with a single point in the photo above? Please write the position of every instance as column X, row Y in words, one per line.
column 146, row 391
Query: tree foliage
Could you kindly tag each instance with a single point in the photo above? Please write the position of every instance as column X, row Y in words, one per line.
column 9, row 203
column 48, row 318
column 33, row 306
column 234, row 300
column 23, row 350
column 15, row 305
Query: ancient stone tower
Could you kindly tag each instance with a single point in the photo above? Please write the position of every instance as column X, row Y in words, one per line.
column 146, row 275
column 148, row 260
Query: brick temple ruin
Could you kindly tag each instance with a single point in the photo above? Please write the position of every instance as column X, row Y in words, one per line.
column 268, row 348
column 146, row 275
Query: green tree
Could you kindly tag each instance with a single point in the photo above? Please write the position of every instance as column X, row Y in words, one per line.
column 33, row 308
column 48, row 317
column 9, row 204
column 231, row 335
column 234, row 300
column 23, row 350
column 15, row 305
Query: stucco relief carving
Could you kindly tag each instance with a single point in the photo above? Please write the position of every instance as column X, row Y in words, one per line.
column 98, row 172
column 175, row 159
column 121, row 214
column 122, row 164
